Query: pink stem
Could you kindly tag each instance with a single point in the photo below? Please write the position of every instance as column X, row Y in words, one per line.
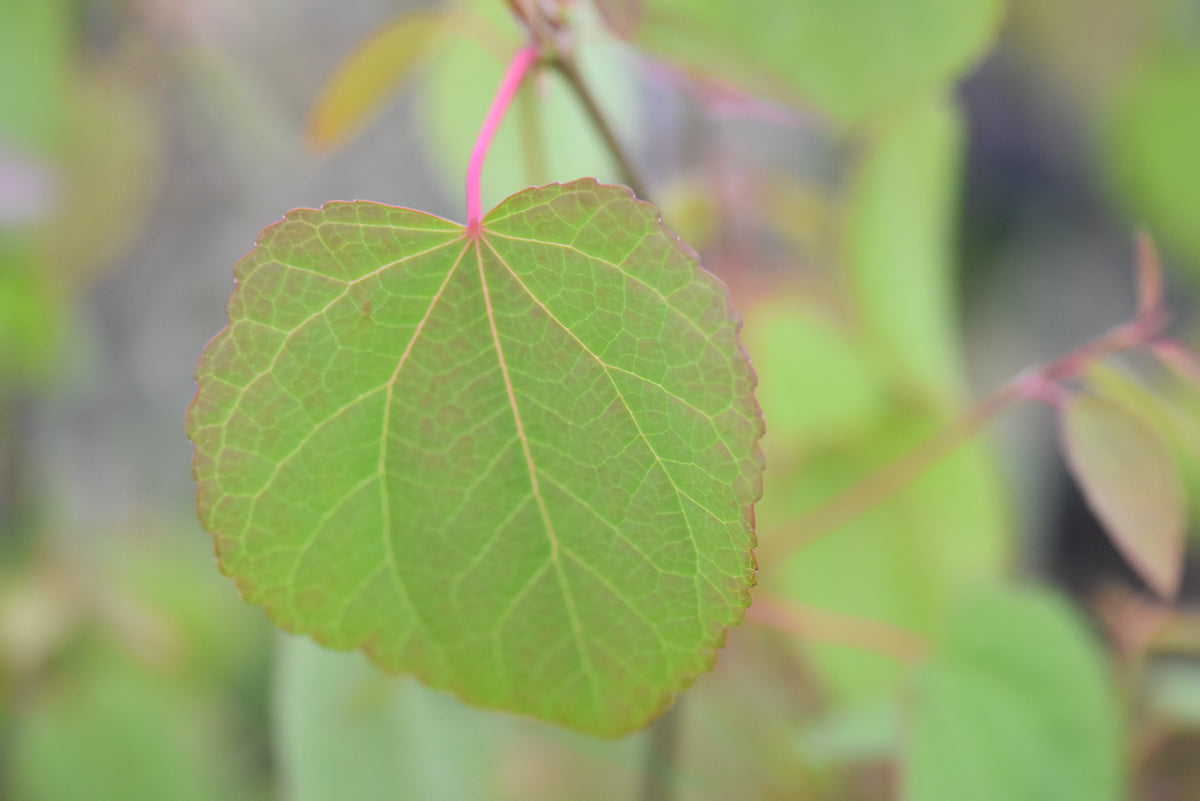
column 517, row 68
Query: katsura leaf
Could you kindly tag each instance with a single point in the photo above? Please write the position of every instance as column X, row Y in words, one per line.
column 519, row 464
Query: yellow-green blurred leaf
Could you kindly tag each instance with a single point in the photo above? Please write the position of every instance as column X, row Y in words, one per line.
column 902, row 563
column 900, row 236
column 379, row 66
column 109, row 165
column 1151, row 155
column 115, row 731
column 853, row 59
column 1015, row 706
column 816, row 384
column 345, row 731
column 35, row 40
column 1128, row 476
column 30, row 312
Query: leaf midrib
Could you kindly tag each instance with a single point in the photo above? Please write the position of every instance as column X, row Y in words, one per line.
column 585, row 657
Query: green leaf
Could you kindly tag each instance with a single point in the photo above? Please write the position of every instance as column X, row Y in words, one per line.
column 30, row 312
column 1129, row 478
column 1149, row 139
column 796, row 349
column 372, row 73
column 903, row 562
column 1015, row 707
column 109, row 168
column 346, row 731
column 35, row 44
column 111, row 731
column 852, row 59
column 520, row 466
column 900, row 233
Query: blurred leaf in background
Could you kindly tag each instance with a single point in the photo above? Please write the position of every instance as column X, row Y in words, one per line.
column 1015, row 706
column 853, row 60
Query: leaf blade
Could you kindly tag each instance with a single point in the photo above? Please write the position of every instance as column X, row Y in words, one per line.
column 1131, row 482
column 486, row 479
column 1016, row 704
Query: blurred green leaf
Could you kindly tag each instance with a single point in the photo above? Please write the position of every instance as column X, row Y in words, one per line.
column 30, row 312
column 903, row 562
column 1129, row 478
column 372, row 73
column 211, row 636
column 815, row 383
column 346, row 731
column 35, row 56
column 1149, row 146
column 900, row 240
column 1015, row 706
column 852, row 59
column 115, row 731
column 109, row 168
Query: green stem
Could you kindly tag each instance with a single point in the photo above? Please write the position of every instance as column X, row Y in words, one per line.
column 658, row 775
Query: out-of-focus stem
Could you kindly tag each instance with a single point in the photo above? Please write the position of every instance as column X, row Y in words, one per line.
column 662, row 753
column 566, row 66
column 821, row 625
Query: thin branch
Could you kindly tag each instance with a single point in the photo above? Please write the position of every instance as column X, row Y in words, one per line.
column 821, row 625
column 565, row 64
column 662, row 753
column 1039, row 383
column 862, row 496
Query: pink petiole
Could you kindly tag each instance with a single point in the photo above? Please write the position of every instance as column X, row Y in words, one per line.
column 520, row 64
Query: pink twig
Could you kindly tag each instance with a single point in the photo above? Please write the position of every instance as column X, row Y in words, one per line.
column 517, row 68
column 1035, row 386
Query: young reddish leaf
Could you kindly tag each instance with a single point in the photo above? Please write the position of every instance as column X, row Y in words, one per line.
column 621, row 16
column 1131, row 483
column 520, row 465
column 373, row 71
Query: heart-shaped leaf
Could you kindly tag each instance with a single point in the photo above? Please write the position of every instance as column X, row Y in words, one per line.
column 519, row 463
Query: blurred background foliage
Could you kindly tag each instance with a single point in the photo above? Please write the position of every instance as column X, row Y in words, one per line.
column 910, row 201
